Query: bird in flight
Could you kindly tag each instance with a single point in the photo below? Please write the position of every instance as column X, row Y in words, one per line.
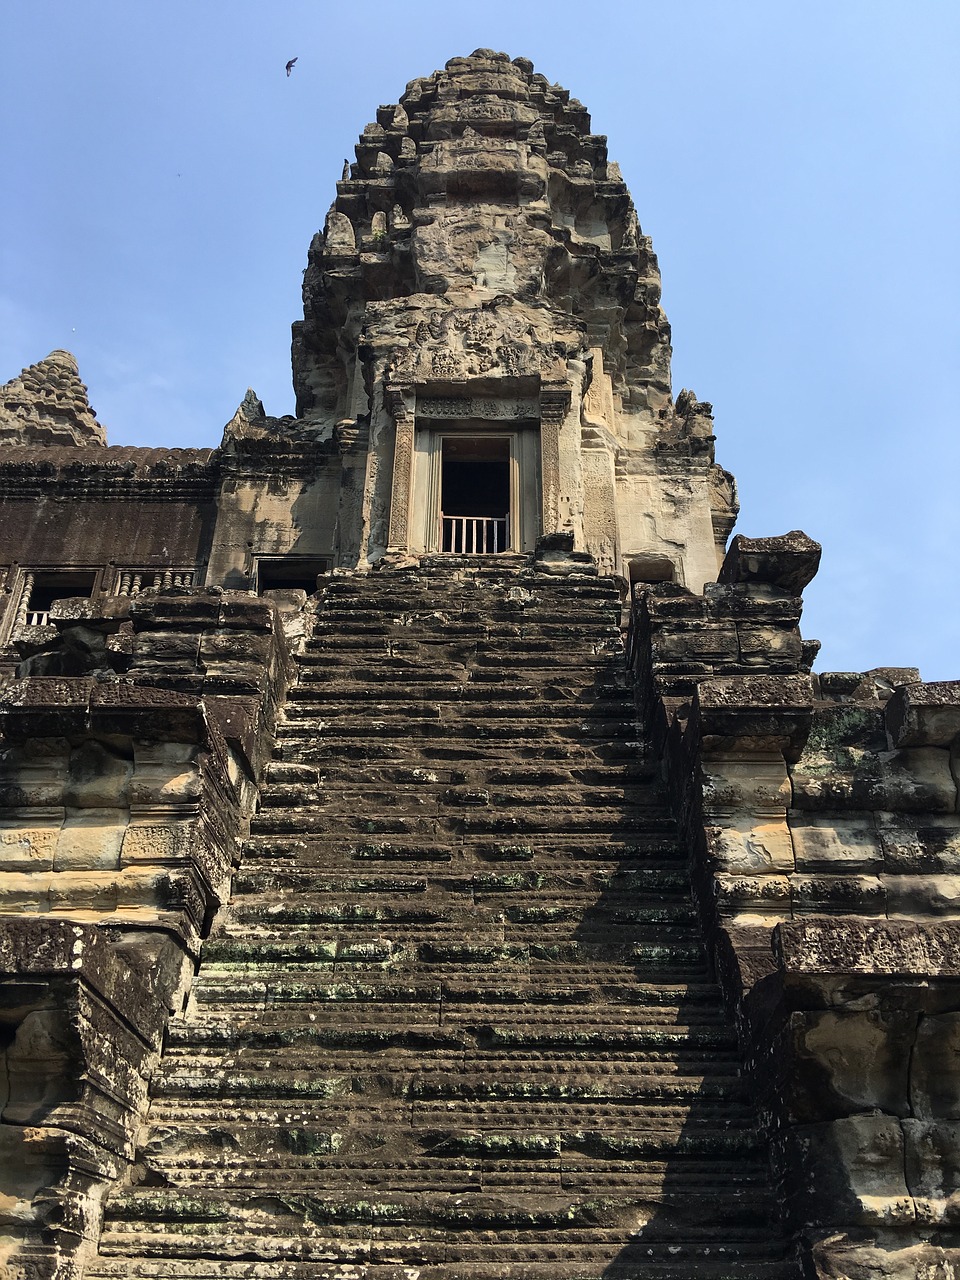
column 290, row 65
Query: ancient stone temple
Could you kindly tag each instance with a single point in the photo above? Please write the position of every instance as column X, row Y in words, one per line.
column 425, row 852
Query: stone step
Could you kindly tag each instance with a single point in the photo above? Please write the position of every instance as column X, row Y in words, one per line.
column 531, row 999
column 337, row 797
column 442, row 913
column 402, row 654
column 438, row 626
column 303, row 747
column 339, row 716
column 276, row 885
column 325, row 1102
column 442, row 583
column 446, row 593
column 719, row 1262
column 469, row 638
column 492, row 721
column 319, row 688
column 399, row 1029
column 398, row 777
column 506, row 1221
column 664, row 948
column 419, row 620
column 547, row 1165
column 548, row 852
column 420, row 669
column 468, row 821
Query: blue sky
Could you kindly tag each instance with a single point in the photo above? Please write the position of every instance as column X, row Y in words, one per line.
column 797, row 165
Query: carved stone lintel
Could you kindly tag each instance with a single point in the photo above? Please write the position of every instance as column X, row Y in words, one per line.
column 554, row 402
column 398, row 397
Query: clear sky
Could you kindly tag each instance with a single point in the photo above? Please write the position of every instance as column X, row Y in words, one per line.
column 797, row 164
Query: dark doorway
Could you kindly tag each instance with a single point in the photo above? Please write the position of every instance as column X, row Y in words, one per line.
column 475, row 494
column 59, row 584
column 289, row 573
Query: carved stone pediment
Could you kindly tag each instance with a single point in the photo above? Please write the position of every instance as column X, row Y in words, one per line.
column 455, row 344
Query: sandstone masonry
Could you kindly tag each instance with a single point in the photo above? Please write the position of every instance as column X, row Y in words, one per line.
column 426, row 851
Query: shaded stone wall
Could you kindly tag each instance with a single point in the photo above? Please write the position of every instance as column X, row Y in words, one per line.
column 823, row 824
column 132, row 746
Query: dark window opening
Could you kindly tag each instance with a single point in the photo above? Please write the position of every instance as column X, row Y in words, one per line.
column 475, row 494
column 648, row 569
column 42, row 588
column 292, row 573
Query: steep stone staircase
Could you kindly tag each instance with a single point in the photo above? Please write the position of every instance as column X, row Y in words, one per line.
column 456, row 1021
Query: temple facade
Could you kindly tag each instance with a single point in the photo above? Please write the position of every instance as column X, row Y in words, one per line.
column 426, row 851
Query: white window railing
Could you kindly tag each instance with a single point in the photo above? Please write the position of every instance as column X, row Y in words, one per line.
column 474, row 535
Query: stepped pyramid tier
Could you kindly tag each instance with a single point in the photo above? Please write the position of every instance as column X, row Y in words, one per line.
column 47, row 404
column 425, row 852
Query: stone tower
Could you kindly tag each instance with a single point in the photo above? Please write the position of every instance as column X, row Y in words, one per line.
column 482, row 293
column 425, row 851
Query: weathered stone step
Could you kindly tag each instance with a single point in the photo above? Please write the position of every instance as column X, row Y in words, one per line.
column 304, row 747
column 448, row 913
column 457, row 578
column 553, row 1082
column 506, row 1221
column 486, row 603
column 317, row 1172
column 491, row 773
column 425, row 669
column 438, row 626
column 274, row 1030
column 644, row 845
column 599, row 974
column 503, row 856
column 638, row 1263
column 276, row 884
column 468, row 822
column 340, row 798
column 187, row 1118
column 447, row 639
column 491, row 721
column 653, row 945
column 689, row 1002
column 396, row 658
column 320, row 689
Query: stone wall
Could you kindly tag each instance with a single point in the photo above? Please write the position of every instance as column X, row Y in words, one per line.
column 133, row 742
column 823, row 823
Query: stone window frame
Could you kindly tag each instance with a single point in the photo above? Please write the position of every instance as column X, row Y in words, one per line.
column 524, row 438
column 22, row 583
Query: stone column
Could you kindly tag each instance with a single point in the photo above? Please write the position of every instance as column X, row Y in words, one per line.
column 400, row 400
column 554, row 404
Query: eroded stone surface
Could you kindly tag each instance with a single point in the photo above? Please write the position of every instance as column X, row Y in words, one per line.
column 458, row 1018
column 47, row 404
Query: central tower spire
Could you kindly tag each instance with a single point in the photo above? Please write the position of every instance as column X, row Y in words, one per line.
column 482, row 278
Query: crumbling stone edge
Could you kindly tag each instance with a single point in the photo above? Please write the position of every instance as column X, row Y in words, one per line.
column 821, row 816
